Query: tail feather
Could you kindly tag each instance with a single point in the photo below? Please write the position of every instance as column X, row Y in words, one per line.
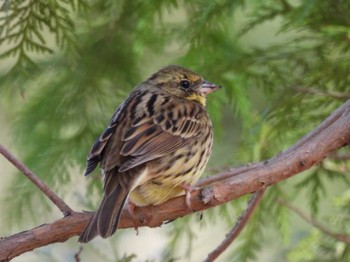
column 110, row 211
column 105, row 220
column 90, row 231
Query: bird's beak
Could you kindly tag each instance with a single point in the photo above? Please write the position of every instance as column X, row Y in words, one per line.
column 207, row 87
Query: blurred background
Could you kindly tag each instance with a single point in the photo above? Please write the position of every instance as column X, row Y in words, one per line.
column 65, row 66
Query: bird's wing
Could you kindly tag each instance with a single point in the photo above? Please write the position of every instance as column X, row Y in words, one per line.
column 161, row 133
column 96, row 152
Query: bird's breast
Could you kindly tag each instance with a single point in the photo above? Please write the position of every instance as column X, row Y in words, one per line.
column 166, row 175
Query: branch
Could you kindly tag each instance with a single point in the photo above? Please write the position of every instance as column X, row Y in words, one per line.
column 330, row 135
column 228, row 174
column 65, row 209
column 314, row 222
column 319, row 92
column 344, row 156
column 241, row 222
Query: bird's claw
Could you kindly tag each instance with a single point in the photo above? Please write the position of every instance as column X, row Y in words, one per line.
column 188, row 190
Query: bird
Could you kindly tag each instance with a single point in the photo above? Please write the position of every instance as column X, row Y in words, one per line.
column 156, row 146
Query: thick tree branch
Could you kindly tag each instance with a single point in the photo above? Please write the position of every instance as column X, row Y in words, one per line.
column 236, row 230
column 329, row 136
column 228, row 173
column 314, row 222
column 65, row 209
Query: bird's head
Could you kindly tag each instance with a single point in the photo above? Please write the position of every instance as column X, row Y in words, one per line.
column 183, row 83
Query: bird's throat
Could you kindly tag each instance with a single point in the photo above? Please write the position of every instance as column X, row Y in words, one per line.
column 198, row 98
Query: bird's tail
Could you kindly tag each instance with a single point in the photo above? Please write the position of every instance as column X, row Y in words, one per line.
column 106, row 219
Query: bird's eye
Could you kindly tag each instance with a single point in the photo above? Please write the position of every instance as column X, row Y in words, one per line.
column 185, row 84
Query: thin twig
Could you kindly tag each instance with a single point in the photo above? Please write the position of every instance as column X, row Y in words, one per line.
column 65, row 209
column 314, row 222
column 319, row 92
column 339, row 156
column 241, row 222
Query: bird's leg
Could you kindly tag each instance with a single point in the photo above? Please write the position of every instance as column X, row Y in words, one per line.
column 188, row 189
column 131, row 209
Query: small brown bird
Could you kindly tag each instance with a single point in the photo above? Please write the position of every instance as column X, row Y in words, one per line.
column 157, row 144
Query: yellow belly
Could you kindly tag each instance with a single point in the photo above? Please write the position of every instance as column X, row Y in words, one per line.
column 165, row 181
column 151, row 194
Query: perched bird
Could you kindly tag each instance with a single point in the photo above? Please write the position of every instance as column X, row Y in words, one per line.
column 157, row 144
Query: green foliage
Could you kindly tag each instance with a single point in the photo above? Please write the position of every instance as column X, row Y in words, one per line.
column 284, row 66
column 317, row 246
column 315, row 184
column 24, row 26
column 179, row 233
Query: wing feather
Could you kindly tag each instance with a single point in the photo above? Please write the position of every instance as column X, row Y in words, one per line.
column 155, row 129
column 96, row 152
column 160, row 134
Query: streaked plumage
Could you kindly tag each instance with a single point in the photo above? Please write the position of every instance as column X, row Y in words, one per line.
column 158, row 140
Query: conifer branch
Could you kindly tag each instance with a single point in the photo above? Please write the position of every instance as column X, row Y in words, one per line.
column 338, row 236
column 319, row 92
column 65, row 209
column 23, row 25
column 339, row 156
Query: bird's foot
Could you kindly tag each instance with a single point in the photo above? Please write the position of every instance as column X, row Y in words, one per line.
column 188, row 190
